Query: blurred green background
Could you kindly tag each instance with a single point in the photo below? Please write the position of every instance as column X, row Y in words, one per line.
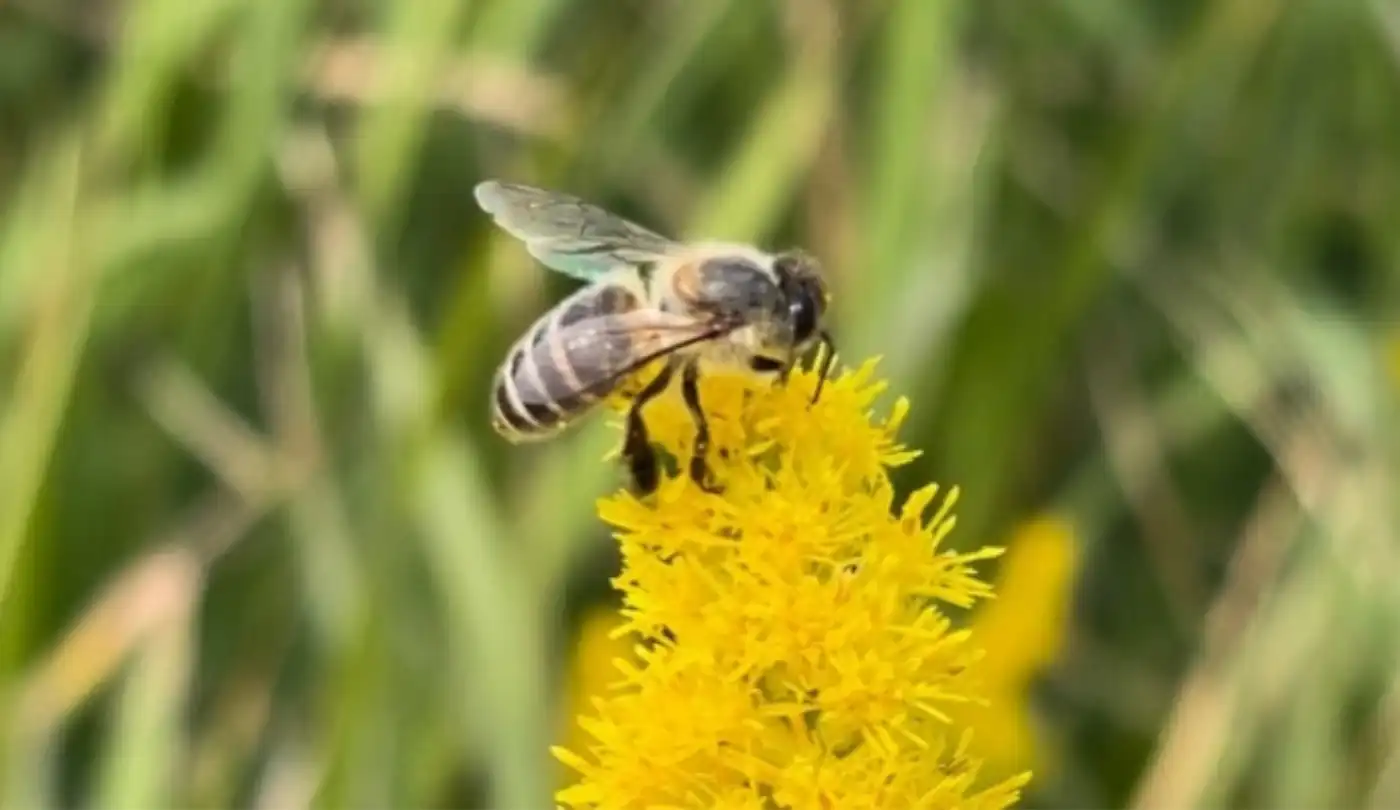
column 1133, row 261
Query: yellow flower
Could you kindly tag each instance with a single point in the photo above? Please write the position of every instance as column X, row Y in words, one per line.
column 1022, row 632
column 592, row 670
column 793, row 650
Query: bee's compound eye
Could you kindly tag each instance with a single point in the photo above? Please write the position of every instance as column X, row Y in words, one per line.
column 803, row 310
column 805, row 292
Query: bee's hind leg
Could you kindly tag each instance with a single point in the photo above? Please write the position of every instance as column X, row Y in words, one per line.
column 636, row 447
column 690, row 392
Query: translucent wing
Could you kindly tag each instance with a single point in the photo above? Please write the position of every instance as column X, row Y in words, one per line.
column 567, row 234
column 591, row 356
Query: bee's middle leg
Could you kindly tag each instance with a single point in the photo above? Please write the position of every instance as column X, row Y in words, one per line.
column 690, row 392
column 636, row 447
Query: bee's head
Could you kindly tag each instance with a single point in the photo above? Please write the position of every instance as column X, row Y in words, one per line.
column 806, row 294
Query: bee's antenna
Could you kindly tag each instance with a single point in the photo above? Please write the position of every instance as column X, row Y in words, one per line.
column 828, row 360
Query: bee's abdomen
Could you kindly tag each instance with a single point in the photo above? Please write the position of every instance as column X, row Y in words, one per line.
column 557, row 371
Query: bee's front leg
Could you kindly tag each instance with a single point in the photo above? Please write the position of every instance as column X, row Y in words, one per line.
column 636, row 447
column 690, row 392
column 828, row 347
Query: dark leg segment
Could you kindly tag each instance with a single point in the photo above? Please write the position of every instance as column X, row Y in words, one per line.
column 828, row 360
column 636, row 447
column 690, row 392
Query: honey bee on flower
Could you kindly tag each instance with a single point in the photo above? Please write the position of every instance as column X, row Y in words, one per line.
column 648, row 299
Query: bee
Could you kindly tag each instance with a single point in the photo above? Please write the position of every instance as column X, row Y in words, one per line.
column 699, row 307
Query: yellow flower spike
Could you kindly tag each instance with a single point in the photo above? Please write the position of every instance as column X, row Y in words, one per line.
column 797, row 654
column 1022, row 633
column 599, row 663
column 1392, row 355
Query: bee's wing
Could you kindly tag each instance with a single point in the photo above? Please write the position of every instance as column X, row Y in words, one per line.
column 591, row 356
column 567, row 234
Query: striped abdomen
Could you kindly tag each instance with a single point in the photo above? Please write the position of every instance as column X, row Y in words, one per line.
column 563, row 364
